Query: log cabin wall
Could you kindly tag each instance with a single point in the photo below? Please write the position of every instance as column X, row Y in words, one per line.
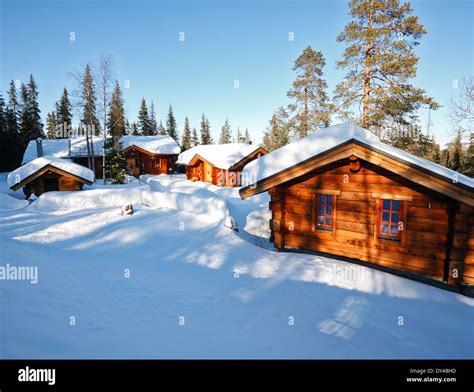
column 39, row 185
column 357, row 191
column 140, row 163
column 97, row 165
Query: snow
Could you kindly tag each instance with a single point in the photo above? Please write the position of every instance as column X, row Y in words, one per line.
column 161, row 144
column 33, row 166
column 63, row 148
column 325, row 139
column 222, row 156
column 10, row 203
column 130, row 281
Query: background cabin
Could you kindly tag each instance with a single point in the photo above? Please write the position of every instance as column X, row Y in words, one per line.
column 46, row 174
column 353, row 196
column 150, row 154
column 219, row 164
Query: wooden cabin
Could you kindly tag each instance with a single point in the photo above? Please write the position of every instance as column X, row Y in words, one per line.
column 150, row 154
column 340, row 191
column 219, row 164
column 47, row 174
column 72, row 149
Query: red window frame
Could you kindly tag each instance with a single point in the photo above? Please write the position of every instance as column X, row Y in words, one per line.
column 324, row 204
column 389, row 222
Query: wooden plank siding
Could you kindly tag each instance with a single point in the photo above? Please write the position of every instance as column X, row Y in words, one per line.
column 142, row 162
column 425, row 244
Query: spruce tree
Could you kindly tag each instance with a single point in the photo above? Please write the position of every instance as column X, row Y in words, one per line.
column 89, row 119
column 31, row 127
column 247, row 138
column 171, row 128
column 144, row 122
column 226, row 133
column 116, row 163
column 468, row 164
column 134, row 130
column 311, row 108
column 153, row 122
column 3, row 135
column 161, row 129
column 277, row 134
column 13, row 150
column 206, row 137
column 186, row 139
column 380, row 61
column 457, row 153
column 194, row 138
column 238, row 136
column 51, row 125
column 64, row 114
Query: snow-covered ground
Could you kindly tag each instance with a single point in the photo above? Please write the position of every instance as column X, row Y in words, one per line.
column 168, row 282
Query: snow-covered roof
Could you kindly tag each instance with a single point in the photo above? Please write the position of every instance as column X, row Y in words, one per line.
column 325, row 139
column 161, row 144
column 63, row 148
column 18, row 175
column 223, row 156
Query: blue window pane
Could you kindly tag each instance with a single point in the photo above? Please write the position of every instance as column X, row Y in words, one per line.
column 395, row 217
column 328, row 210
column 386, row 204
column 328, row 222
column 385, row 216
column 320, row 220
column 394, row 230
column 321, row 209
column 329, row 199
column 384, row 229
column 321, row 198
column 396, row 205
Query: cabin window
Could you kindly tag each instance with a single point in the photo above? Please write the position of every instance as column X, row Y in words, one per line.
column 390, row 215
column 156, row 162
column 324, row 213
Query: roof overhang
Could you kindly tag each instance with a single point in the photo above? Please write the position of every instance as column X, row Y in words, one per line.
column 415, row 173
column 240, row 164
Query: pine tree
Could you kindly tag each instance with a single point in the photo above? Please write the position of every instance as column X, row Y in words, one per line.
column 194, row 138
column 3, row 136
column 206, row 137
column 238, row 136
column 468, row 165
column 311, row 106
column 144, row 122
column 277, row 134
column 51, row 125
column 116, row 167
column 31, row 127
column 226, row 133
column 381, row 62
column 63, row 114
column 457, row 153
column 171, row 128
column 161, row 129
column 116, row 121
column 134, row 129
column 186, row 139
column 89, row 119
column 13, row 149
column 247, row 138
column 116, row 163
column 153, row 123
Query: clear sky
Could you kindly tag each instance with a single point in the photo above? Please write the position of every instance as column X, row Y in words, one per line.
column 224, row 41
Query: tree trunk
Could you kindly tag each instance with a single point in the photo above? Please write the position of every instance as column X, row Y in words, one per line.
column 367, row 70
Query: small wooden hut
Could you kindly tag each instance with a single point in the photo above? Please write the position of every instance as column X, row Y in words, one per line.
column 341, row 191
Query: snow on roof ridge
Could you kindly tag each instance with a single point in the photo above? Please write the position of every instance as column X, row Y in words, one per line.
column 323, row 140
column 156, row 144
column 223, row 156
column 24, row 171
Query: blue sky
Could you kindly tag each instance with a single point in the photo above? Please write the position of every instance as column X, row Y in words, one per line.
column 224, row 41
